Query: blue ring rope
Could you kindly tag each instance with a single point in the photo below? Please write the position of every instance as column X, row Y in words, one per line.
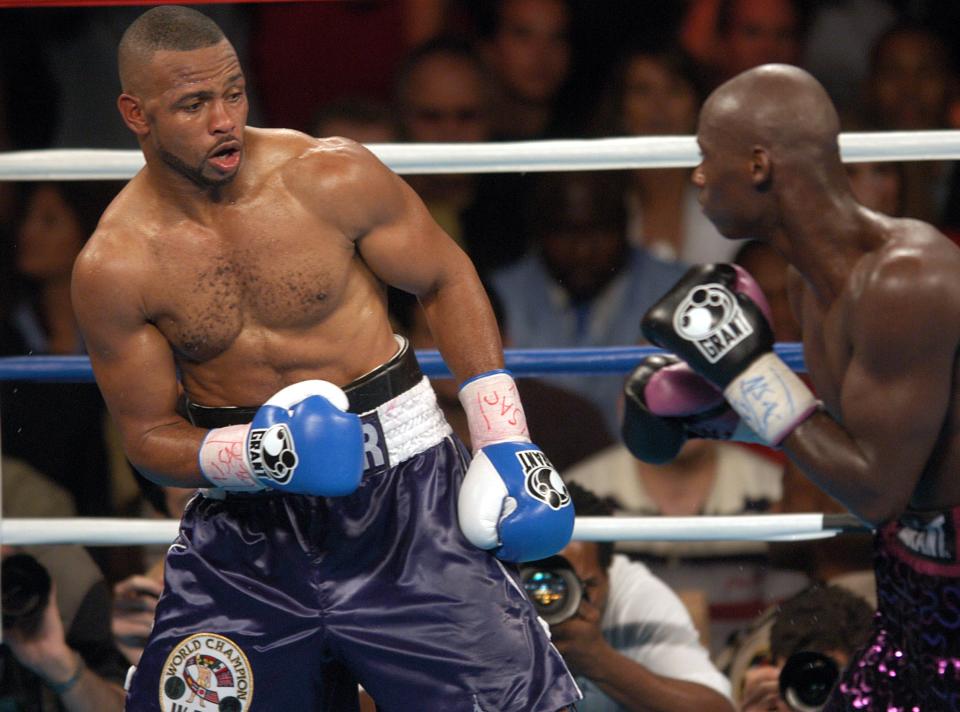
column 522, row 362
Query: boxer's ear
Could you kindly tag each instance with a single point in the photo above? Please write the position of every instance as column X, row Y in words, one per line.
column 760, row 166
column 133, row 114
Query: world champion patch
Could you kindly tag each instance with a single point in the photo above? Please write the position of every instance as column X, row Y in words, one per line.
column 206, row 672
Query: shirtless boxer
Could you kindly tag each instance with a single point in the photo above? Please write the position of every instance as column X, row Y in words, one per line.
column 326, row 550
column 879, row 304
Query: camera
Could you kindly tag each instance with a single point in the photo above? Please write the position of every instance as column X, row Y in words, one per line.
column 807, row 679
column 24, row 592
column 554, row 588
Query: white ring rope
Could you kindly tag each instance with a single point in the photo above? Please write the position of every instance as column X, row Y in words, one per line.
column 532, row 156
column 762, row 527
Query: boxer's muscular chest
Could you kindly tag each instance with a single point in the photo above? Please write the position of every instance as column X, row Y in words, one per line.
column 266, row 271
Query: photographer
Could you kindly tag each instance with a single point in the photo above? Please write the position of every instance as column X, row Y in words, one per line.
column 813, row 637
column 630, row 641
column 58, row 652
column 47, row 657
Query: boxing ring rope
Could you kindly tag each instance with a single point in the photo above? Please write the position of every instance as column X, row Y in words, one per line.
column 94, row 531
column 535, row 156
column 506, row 157
column 524, row 362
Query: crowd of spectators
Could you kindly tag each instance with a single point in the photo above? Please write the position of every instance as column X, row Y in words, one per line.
column 570, row 259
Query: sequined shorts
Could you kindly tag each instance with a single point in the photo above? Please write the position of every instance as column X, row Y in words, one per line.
column 912, row 661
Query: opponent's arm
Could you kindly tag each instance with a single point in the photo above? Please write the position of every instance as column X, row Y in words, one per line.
column 894, row 396
column 894, row 393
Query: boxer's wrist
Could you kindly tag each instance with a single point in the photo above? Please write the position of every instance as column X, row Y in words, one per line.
column 224, row 461
column 494, row 411
column 61, row 683
column 770, row 398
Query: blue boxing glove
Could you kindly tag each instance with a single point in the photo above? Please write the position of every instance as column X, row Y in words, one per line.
column 512, row 500
column 301, row 441
column 717, row 320
column 668, row 403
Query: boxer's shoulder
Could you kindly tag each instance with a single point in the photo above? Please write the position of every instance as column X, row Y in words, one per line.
column 915, row 260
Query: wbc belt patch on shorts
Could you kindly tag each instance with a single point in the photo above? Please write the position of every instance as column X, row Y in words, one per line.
column 206, row 672
column 710, row 318
column 542, row 480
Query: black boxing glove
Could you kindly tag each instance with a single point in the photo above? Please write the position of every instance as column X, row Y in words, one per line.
column 717, row 320
column 667, row 403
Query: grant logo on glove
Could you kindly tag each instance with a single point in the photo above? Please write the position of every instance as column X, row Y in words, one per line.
column 543, row 481
column 303, row 440
column 272, row 453
column 711, row 319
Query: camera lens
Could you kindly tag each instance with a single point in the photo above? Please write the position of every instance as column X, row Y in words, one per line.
column 553, row 587
column 807, row 679
column 24, row 592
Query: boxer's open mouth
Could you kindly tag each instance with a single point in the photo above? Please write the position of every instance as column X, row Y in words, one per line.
column 227, row 157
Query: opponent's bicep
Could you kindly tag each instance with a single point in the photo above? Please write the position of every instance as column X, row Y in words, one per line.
column 897, row 387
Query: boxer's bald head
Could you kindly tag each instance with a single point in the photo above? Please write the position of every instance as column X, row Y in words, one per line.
column 766, row 136
column 173, row 28
column 779, row 107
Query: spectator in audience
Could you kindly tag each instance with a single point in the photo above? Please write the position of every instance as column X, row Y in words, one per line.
column 658, row 93
column 444, row 94
column 305, row 55
column 566, row 424
column 911, row 86
column 878, row 186
column 57, row 427
column 828, row 620
column 731, row 36
column 59, row 653
column 361, row 119
column 733, row 579
column 135, row 597
column 631, row 642
column 582, row 284
column 837, row 45
column 29, row 111
column 844, row 561
column 527, row 45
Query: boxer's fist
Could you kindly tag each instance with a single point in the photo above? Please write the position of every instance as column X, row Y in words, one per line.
column 716, row 319
column 513, row 502
column 302, row 441
column 667, row 403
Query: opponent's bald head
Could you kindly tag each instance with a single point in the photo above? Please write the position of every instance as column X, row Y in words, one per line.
column 169, row 27
column 777, row 106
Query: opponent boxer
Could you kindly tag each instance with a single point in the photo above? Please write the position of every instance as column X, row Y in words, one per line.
column 879, row 301
column 326, row 550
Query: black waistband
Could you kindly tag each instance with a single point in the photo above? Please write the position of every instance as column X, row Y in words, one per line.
column 399, row 374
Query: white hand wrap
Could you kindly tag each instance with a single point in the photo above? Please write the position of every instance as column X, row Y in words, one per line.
column 494, row 411
column 224, row 461
column 770, row 398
